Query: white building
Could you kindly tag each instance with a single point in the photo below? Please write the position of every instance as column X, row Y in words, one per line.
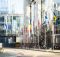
column 11, row 19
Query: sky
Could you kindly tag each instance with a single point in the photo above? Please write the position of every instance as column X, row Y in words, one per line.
column 13, row 5
column 58, row 1
column 17, row 6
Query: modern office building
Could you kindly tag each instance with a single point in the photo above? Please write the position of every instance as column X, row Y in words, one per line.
column 10, row 27
column 11, row 22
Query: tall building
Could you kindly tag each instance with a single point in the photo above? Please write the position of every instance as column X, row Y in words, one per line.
column 11, row 21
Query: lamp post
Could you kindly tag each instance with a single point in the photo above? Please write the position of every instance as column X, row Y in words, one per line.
column 32, row 1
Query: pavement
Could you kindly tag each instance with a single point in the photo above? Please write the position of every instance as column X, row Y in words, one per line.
column 43, row 50
column 34, row 49
column 48, row 50
column 7, row 55
column 10, row 52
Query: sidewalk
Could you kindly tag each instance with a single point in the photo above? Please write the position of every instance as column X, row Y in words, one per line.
column 28, row 53
column 48, row 50
column 43, row 50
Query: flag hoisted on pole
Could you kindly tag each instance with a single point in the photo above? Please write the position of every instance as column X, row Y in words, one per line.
column 55, row 18
column 30, row 28
column 46, row 21
column 38, row 23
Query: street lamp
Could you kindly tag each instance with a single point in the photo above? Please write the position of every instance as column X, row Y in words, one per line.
column 32, row 1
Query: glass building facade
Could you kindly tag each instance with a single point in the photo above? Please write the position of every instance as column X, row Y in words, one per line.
column 11, row 22
column 9, row 28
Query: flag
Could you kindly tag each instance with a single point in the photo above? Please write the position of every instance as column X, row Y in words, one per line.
column 55, row 18
column 46, row 17
column 30, row 27
column 38, row 23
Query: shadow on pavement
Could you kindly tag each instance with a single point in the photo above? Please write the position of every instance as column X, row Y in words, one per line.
column 6, row 55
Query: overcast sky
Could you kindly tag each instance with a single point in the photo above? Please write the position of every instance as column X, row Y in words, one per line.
column 58, row 1
column 12, row 5
column 17, row 6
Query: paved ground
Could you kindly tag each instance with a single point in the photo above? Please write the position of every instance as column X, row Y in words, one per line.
column 27, row 53
column 7, row 55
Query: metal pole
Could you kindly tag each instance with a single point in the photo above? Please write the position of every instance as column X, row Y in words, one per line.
column 53, row 35
column 41, row 16
column 41, row 11
column 34, row 24
column 33, row 1
column 30, row 22
column 38, row 38
column 30, row 13
column 45, row 38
